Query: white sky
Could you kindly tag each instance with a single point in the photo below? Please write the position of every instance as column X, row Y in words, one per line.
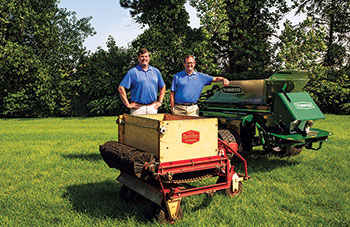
column 108, row 18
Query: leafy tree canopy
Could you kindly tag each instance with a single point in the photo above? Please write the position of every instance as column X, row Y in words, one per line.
column 335, row 15
column 239, row 31
column 39, row 46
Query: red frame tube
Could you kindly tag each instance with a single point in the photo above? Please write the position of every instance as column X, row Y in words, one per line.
column 222, row 163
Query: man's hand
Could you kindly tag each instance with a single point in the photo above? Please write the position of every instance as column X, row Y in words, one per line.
column 133, row 105
column 157, row 105
column 226, row 82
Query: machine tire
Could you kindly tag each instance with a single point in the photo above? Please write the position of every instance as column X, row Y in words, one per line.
column 130, row 195
column 123, row 192
column 287, row 151
column 150, row 209
column 231, row 136
column 230, row 193
column 134, row 197
column 139, row 199
column 162, row 216
column 294, row 150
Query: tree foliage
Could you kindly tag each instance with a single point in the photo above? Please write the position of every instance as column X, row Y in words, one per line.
column 168, row 35
column 303, row 47
column 300, row 47
column 99, row 75
column 39, row 47
column 240, row 31
column 335, row 16
column 46, row 71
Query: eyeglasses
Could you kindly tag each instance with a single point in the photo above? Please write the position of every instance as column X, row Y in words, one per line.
column 188, row 63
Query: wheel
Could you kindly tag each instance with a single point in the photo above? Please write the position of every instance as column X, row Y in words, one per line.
column 122, row 192
column 162, row 216
column 287, row 151
column 230, row 193
column 139, row 199
column 150, row 209
column 231, row 136
column 130, row 195
column 294, row 150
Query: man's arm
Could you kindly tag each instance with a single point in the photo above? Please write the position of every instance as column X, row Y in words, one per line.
column 172, row 100
column 224, row 81
column 162, row 93
column 124, row 98
column 161, row 97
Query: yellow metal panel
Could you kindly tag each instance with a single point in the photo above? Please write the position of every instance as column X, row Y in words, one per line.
column 163, row 134
column 141, row 133
column 120, row 129
column 158, row 117
column 172, row 147
column 173, row 206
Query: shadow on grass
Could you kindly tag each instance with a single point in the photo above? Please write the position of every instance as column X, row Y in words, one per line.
column 204, row 203
column 258, row 161
column 89, row 157
column 102, row 200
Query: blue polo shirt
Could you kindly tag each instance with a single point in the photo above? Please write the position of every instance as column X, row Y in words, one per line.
column 143, row 84
column 188, row 88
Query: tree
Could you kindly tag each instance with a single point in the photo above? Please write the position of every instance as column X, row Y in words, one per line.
column 39, row 48
column 99, row 75
column 240, row 31
column 168, row 36
column 335, row 15
column 303, row 47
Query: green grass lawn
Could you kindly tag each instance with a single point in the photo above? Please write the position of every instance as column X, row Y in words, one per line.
column 51, row 173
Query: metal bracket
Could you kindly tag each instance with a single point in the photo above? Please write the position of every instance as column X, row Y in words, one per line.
column 235, row 182
column 163, row 129
column 173, row 206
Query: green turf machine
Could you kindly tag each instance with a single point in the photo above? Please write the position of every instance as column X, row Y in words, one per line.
column 273, row 112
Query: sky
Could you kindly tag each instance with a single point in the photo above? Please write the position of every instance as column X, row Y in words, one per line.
column 109, row 18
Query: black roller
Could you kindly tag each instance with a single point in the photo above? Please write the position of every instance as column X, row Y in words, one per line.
column 127, row 159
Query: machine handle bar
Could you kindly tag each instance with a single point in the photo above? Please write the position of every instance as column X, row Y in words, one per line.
column 227, row 146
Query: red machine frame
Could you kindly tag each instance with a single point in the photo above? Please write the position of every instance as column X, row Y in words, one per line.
column 170, row 195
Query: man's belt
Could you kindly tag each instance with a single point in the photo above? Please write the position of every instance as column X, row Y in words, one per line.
column 185, row 104
column 144, row 104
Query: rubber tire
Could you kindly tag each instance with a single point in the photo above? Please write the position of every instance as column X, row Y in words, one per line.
column 294, row 151
column 162, row 216
column 123, row 192
column 150, row 209
column 230, row 193
column 130, row 195
column 230, row 135
column 285, row 152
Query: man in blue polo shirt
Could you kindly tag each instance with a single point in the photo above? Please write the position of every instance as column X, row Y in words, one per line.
column 187, row 87
column 143, row 82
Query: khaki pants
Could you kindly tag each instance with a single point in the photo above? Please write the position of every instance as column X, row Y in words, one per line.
column 192, row 110
column 144, row 109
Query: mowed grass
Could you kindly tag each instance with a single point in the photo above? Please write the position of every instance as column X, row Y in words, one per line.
column 51, row 174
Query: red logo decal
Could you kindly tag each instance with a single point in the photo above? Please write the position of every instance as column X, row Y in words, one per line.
column 190, row 137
